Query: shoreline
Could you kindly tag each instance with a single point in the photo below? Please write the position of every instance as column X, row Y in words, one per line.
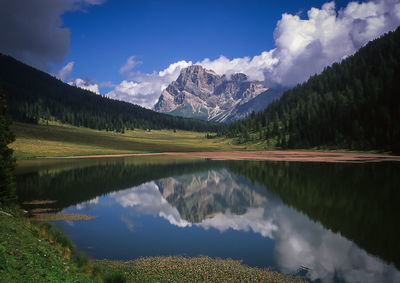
column 36, row 252
column 275, row 155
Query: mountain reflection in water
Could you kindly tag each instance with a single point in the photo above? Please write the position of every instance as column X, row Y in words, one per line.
column 335, row 221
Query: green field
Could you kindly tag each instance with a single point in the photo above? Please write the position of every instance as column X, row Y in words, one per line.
column 65, row 140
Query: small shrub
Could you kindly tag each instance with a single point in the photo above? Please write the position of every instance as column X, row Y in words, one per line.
column 56, row 235
column 81, row 259
column 34, row 230
column 114, row 277
column 42, row 250
column 97, row 270
column 3, row 249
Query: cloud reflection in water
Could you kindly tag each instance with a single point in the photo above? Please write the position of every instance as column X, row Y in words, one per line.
column 299, row 242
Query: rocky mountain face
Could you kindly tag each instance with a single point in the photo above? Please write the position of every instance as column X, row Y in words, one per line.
column 201, row 196
column 203, row 94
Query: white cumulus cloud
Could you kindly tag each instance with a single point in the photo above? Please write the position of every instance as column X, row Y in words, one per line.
column 65, row 71
column 303, row 47
column 253, row 67
column 145, row 89
column 85, row 84
column 147, row 199
column 254, row 219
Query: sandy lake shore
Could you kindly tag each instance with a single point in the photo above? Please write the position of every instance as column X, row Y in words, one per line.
column 301, row 156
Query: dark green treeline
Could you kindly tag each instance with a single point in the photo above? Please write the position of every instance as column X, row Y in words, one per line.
column 33, row 95
column 354, row 104
column 72, row 186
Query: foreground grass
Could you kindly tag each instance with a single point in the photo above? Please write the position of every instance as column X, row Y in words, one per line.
column 28, row 255
column 198, row 269
column 31, row 253
column 65, row 140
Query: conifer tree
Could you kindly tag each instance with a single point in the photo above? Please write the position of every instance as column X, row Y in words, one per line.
column 7, row 162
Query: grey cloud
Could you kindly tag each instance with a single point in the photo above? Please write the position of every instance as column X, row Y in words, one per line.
column 31, row 31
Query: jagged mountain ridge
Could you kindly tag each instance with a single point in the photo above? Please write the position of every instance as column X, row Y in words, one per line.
column 203, row 94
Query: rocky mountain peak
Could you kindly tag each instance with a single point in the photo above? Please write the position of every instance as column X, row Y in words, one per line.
column 196, row 76
column 196, row 71
column 203, row 94
column 239, row 77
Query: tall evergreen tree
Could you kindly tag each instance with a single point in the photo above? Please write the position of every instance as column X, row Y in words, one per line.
column 7, row 162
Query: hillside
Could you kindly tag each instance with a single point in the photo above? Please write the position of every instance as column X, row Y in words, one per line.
column 354, row 104
column 203, row 94
column 33, row 95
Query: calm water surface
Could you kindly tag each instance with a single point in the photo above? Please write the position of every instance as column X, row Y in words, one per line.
column 330, row 222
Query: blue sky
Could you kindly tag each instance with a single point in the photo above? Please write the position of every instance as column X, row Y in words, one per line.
column 159, row 33
column 132, row 50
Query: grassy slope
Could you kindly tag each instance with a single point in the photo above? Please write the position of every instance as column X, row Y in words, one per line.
column 64, row 140
column 28, row 254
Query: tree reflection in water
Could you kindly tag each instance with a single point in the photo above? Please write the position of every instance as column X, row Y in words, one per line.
column 336, row 220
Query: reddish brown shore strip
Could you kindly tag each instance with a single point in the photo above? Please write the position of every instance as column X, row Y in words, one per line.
column 277, row 155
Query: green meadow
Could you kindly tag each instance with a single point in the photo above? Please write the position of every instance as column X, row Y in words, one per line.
column 57, row 140
column 65, row 140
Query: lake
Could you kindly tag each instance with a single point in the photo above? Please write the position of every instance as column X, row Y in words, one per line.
column 333, row 222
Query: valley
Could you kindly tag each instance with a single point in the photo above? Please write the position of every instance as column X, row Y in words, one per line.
column 65, row 140
column 204, row 141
